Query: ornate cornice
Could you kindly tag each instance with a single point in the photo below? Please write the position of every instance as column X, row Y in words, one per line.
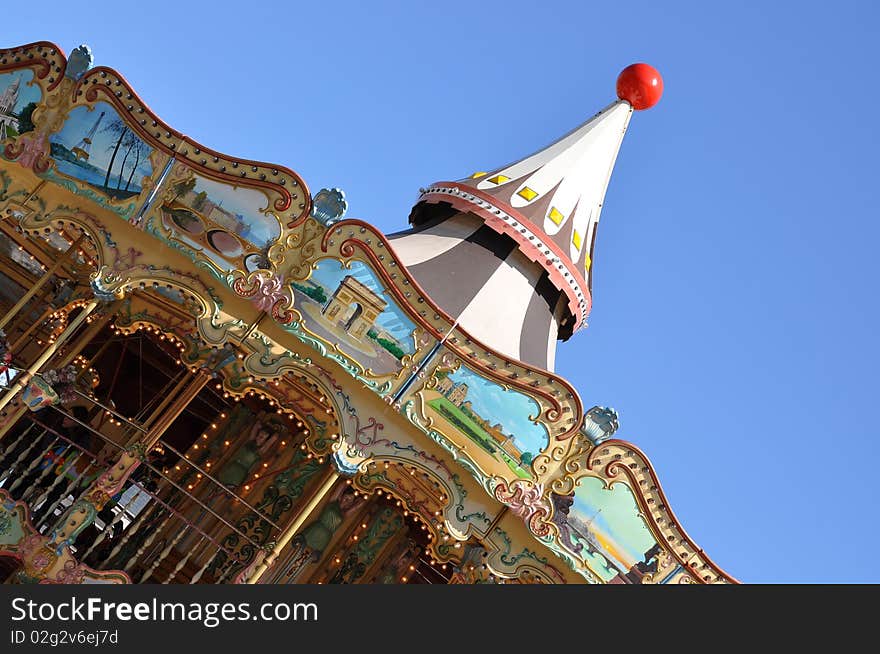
column 504, row 219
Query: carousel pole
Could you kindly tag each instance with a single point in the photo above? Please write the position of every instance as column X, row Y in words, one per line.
column 166, row 414
column 22, row 380
column 31, row 329
column 14, row 272
column 90, row 332
column 40, row 282
column 159, row 420
column 85, row 338
column 24, row 322
column 183, row 394
column 296, row 524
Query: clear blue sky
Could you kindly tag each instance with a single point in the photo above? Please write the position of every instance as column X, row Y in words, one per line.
column 734, row 306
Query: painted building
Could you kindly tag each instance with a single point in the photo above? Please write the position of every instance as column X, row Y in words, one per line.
column 355, row 307
column 457, row 394
column 444, row 385
column 8, row 101
column 278, row 389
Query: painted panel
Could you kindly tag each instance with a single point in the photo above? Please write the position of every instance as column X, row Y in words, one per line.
column 347, row 306
column 496, row 427
column 603, row 527
column 228, row 225
column 19, row 96
column 103, row 157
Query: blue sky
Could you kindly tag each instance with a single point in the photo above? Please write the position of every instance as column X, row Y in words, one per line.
column 734, row 320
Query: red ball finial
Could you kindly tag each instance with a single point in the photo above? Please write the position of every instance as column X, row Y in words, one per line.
column 640, row 85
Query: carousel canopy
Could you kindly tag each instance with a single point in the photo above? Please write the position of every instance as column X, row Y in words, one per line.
column 508, row 253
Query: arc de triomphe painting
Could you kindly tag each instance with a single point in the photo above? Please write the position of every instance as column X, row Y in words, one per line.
column 355, row 306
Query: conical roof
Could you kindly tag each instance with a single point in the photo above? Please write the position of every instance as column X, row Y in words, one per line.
column 550, row 202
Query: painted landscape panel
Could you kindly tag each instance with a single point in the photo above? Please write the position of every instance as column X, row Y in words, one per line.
column 350, row 307
column 603, row 526
column 96, row 147
column 226, row 223
column 499, row 421
column 17, row 103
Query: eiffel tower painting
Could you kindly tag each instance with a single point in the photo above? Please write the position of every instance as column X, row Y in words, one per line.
column 81, row 149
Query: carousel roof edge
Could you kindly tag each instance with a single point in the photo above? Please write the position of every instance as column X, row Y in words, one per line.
column 615, row 458
column 292, row 197
column 102, row 82
column 654, row 503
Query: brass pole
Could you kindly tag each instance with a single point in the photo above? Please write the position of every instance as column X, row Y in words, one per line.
column 168, row 415
column 85, row 338
column 90, row 332
column 148, row 423
column 40, row 282
column 174, row 387
column 297, row 523
column 30, row 330
column 22, row 380
column 16, row 274
column 23, row 316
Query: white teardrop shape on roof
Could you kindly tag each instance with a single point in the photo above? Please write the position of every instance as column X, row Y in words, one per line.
column 580, row 229
column 576, row 168
column 588, row 170
column 542, row 157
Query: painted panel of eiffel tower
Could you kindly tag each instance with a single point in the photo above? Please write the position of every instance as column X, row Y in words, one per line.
column 96, row 147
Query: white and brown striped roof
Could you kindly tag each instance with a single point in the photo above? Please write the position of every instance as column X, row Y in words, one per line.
column 550, row 202
column 509, row 253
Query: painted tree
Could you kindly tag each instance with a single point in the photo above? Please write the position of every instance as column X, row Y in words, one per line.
column 140, row 150
column 183, row 187
column 25, row 122
column 128, row 142
column 120, row 130
column 199, row 200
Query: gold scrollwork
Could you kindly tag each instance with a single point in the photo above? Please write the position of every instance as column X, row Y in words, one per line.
column 616, row 461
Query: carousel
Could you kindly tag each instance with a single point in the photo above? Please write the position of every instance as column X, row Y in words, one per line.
column 208, row 374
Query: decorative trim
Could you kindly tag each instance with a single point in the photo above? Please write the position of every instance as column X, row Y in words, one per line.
column 507, row 220
column 617, row 461
column 45, row 57
column 292, row 192
column 554, row 390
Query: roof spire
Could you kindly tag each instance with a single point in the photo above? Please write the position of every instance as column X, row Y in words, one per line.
column 547, row 205
column 640, row 85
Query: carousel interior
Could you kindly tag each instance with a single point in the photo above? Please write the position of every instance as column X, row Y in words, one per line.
column 197, row 510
